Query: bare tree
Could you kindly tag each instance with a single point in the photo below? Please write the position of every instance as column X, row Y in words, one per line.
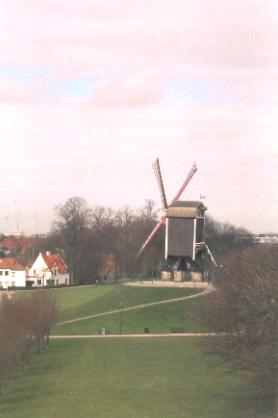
column 24, row 321
column 244, row 309
column 43, row 314
column 90, row 237
column 72, row 219
column 224, row 237
column 148, row 212
column 98, row 217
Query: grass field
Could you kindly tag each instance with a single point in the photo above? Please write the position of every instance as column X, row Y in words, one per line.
column 88, row 300
column 76, row 302
column 159, row 319
column 127, row 378
column 165, row 378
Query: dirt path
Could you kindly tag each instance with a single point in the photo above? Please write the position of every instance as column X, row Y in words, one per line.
column 167, row 283
column 89, row 336
column 144, row 305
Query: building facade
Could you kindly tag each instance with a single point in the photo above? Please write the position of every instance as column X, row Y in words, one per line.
column 48, row 270
column 12, row 274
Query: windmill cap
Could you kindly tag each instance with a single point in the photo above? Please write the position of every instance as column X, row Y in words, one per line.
column 186, row 209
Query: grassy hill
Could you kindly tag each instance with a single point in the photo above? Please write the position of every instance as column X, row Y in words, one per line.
column 75, row 302
column 127, row 378
column 138, row 378
column 78, row 302
column 158, row 319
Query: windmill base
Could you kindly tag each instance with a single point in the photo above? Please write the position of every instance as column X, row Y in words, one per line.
column 181, row 269
column 181, row 276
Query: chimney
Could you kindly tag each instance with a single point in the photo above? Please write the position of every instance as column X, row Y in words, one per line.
column 48, row 253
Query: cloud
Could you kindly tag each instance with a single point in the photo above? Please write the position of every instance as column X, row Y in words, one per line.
column 12, row 91
column 198, row 37
column 230, row 44
column 137, row 91
column 68, row 149
column 84, row 145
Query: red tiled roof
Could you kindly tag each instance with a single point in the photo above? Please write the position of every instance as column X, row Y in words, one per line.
column 55, row 261
column 10, row 264
column 27, row 242
column 111, row 259
column 9, row 243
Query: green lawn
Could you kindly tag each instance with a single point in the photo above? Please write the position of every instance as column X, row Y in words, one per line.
column 87, row 300
column 138, row 378
column 159, row 319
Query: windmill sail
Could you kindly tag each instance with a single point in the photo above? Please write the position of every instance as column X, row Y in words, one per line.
column 157, row 172
column 152, row 234
column 185, row 183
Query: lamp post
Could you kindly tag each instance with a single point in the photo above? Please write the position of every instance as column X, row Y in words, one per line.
column 121, row 307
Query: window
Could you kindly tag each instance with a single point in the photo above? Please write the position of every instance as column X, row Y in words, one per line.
column 6, row 273
column 13, row 273
column 39, row 282
column 34, row 271
column 0, row 285
column 13, row 284
column 1, row 273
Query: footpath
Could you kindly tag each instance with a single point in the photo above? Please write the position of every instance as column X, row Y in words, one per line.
column 208, row 289
column 109, row 336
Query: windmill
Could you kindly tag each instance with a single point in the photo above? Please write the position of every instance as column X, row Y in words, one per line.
column 184, row 233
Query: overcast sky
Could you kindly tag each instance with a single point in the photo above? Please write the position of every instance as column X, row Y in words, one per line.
column 92, row 91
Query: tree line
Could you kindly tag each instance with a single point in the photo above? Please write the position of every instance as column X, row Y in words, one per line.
column 25, row 323
column 98, row 242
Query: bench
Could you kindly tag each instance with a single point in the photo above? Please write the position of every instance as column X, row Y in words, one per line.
column 103, row 331
column 176, row 330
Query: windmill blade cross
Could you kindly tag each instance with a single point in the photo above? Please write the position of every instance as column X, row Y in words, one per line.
column 157, row 172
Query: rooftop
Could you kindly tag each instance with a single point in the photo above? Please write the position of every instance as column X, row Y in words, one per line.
column 10, row 264
column 188, row 204
column 55, row 261
column 186, row 209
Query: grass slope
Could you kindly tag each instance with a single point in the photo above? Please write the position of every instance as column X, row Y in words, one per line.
column 159, row 319
column 150, row 378
column 88, row 300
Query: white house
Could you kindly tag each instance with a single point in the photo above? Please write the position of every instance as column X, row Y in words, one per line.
column 12, row 274
column 48, row 269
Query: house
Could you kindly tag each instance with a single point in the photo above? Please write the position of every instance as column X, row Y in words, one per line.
column 109, row 269
column 48, row 270
column 12, row 274
column 14, row 245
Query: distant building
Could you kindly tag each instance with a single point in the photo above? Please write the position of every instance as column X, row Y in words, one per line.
column 12, row 274
column 16, row 245
column 16, row 234
column 48, row 270
column 270, row 239
column 9, row 245
column 109, row 270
